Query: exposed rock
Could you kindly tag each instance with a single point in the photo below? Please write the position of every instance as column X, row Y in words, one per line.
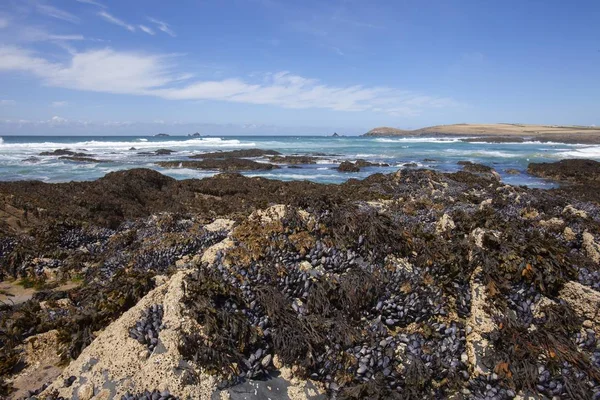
column 584, row 300
column 552, row 223
column 63, row 152
column 444, row 224
column 479, row 169
column 364, row 163
column 244, row 153
column 512, row 171
column 294, row 160
column 575, row 170
column 591, row 247
column 85, row 392
column 569, row 234
column 480, row 323
column 347, row 166
column 570, row 210
column 81, row 159
column 163, row 152
column 229, row 164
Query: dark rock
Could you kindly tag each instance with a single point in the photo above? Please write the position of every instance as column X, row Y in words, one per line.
column 512, row 171
column 410, row 165
column 293, row 159
column 574, row 170
column 81, row 159
column 63, row 152
column 162, row 135
column 163, row 152
column 229, row 164
column 245, row 153
column 364, row 163
column 348, row 166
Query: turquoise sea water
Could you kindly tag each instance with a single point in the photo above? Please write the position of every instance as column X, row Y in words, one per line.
column 20, row 160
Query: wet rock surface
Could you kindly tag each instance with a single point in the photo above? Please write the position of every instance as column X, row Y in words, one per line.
column 81, row 159
column 63, row 152
column 416, row 284
column 580, row 178
column 244, row 153
column 293, row 160
column 347, row 166
column 229, row 164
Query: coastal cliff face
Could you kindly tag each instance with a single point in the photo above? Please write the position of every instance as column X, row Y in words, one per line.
column 416, row 284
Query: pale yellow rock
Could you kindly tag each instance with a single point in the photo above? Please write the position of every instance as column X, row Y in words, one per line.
column 220, row 224
column 85, row 392
column 591, row 247
column 584, row 300
column 570, row 210
column 103, row 395
column 444, row 224
column 114, row 356
column 552, row 223
column 569, row 234
column 485, row 203
column 210, row 254
column 480, row 323
column 527, row 213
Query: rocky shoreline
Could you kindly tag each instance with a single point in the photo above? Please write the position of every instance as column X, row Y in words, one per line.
column 416, row 284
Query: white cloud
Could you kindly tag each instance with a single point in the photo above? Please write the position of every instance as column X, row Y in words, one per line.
column 54, row 12
column 56, row 120
column 114, row 20
column 146, row 29
column 59, row 103
column 92, row 2
column 4, row 22
column 163, row 26
column 6, row 102
column 111, row 71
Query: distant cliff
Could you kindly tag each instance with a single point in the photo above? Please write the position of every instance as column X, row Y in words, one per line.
column 387, row 131
column 502, row 132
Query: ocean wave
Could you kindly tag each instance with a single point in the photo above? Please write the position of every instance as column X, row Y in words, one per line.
column 587, row 152
column 96, row 145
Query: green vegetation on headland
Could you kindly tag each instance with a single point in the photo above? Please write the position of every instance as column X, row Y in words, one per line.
column 501, row 132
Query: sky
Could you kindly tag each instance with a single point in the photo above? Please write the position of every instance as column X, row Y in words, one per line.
column 294, row 67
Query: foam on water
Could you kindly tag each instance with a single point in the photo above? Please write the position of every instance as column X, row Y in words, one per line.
column 394, row 151
column 587, row 152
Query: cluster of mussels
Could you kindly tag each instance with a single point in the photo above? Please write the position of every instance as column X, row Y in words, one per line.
column 149, row 395
column 329, row 297
column 147, row 328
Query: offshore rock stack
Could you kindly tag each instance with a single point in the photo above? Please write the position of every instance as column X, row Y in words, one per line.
column 415, row 285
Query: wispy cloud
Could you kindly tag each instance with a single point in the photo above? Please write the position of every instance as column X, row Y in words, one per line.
column 92, row 2
column 112, row 71
column 114, row 20
column 162, row 26
column 146, row 29
column 59, row 104
column 6, row 102
column 54, row 12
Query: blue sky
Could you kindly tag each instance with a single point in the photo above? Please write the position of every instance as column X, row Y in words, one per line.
column 292, row 67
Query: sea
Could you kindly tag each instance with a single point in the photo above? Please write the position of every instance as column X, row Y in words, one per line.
column 20, row 159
